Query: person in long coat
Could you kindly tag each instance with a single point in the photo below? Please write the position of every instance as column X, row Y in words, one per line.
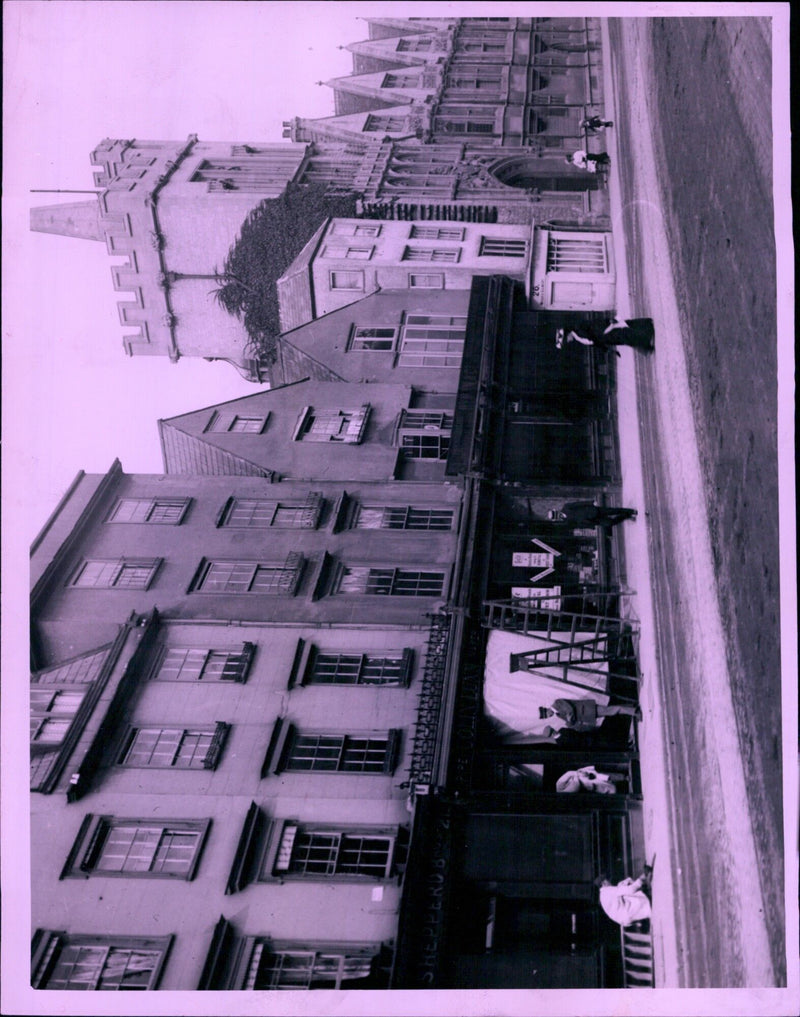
column 586, row 513
column 637, row 332
column 627, row 902
column 585, row 714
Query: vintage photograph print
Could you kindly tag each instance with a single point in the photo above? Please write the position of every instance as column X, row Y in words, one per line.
column 399, row 525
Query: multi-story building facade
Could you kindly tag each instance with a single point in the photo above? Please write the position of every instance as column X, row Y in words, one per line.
column 223, row 725
column 310, row 757
column 443, row 120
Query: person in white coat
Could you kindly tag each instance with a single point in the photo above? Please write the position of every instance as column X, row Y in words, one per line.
column 626, row 902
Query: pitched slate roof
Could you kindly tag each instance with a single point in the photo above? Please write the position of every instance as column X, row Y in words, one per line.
column 295, row 287
column 190, row 453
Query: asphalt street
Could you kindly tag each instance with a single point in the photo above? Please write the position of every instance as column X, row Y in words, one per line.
column 692, row 199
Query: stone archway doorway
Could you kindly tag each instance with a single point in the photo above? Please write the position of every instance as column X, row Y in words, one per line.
column 529, row 172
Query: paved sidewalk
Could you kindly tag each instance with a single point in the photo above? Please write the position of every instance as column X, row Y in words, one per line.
column 678, row 922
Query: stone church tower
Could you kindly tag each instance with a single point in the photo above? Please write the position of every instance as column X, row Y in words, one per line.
column 172, row 210
column 442, row 119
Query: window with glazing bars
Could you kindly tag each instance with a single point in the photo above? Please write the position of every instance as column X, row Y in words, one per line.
column 390, row 582
column 474, row 79
column 191, row 664
column 149, row 510
column 325, row 852
column 432, row 340
column 386, row 125
column 567, row 254
column 401, row 81
column 425, row 435
column 339, row 753
column 500, row 247
column 403, row 517
column 100, row 963
column 426, row 281
column 304, row 967
column 495, row 45
column 249, row 577
column 51, row 714
column 342, row 251
column 331, row 667
column 122, row 574
column 365, row 337
column 235, row 423
column 177, row 748
column 414, row 45
column 431, row 254
column 437, row 233
column 258, row 512
column 451, row 125
column 127, row 847
column 349, row 229
column 346, row 426
column 346, row 280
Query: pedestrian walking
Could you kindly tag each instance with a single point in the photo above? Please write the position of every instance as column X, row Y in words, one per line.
column 589, row 161
column 595, row 123
column 586, row 513
column 585, row 714
column 637, row 332
column 628, row 901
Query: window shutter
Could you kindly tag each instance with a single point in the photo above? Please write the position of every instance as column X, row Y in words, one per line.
column 341, row 512
column 301, row 423
column 282, row 733
column 213, row 974
column 253, row 829
column 392, row 750
column 217, row 744
column 195, row 580
column 302, row 662
column 357, row 425
column 223, row 512
column 292, row 572
column 406, row 666
column 238, row 664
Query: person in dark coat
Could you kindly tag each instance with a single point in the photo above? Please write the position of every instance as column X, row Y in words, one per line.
column 586, row 513
column 585, row 714
column 595, row 123
column 637, row 332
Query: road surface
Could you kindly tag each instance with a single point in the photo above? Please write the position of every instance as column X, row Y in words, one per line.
column 694, row 164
